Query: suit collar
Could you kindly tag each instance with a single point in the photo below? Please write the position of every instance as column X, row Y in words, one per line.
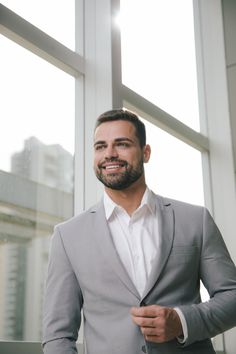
column 166, row 230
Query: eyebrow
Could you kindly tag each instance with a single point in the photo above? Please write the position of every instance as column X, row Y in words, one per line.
column 116, row 140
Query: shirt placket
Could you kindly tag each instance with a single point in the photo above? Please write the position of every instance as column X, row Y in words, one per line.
column 138, row 260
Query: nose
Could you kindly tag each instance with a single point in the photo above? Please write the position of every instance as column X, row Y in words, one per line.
column 111, row 152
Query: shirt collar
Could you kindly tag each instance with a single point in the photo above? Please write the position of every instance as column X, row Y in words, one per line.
column 109, row 205
column 148, row 200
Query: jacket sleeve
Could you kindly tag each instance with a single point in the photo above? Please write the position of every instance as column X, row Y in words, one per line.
column 62, row 302
column 218, row 274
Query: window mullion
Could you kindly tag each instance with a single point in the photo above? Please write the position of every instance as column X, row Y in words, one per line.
column 25, row 34
column 164, row 120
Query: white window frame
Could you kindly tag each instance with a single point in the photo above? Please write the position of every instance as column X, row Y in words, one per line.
column 215, row 119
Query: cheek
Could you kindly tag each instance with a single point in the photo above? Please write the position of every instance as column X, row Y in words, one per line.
column 96, row 160
column 138, row 160
column 95, row 166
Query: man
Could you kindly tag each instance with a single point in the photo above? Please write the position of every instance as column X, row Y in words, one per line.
column 134, row 262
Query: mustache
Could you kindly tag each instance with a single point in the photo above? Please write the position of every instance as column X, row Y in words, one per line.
column 112, row 159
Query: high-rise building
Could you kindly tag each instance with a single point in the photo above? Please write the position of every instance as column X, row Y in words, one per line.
column 42, row 181
column 51, row 165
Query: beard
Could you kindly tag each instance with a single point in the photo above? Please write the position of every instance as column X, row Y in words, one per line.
column 121, row 180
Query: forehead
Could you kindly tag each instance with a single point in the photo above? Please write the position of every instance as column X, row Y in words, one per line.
column 115, row 129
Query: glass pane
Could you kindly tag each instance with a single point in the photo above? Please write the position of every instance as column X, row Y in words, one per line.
column 175, row 168
column 158, row 55
column 56, row 18
column 36, row 181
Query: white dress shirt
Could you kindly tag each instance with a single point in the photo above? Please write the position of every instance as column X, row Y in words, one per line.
column 136, row 237
column 137, row 240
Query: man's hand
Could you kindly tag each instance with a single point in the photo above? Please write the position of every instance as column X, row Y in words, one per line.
column 158, row 324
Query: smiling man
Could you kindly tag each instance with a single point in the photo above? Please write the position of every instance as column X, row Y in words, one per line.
column 134, row 262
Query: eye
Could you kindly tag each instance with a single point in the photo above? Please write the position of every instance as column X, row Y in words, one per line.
column 123, row 144
column 99, row 147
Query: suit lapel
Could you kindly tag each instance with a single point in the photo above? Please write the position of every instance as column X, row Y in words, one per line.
column 166, row 232
column 106, row 246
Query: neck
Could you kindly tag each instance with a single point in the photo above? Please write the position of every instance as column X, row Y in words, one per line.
column 129, row 198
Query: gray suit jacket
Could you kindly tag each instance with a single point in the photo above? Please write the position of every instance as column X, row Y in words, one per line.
column 86, row 272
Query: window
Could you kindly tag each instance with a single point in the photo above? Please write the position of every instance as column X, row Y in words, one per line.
column 37, row 146
column 175, row 168
column 158, row 64
column 56, row 18
column 158, row 55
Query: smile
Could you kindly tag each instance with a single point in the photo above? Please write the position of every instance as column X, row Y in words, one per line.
column 112, row 166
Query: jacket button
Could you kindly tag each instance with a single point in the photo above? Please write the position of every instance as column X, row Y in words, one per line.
column 144, row 349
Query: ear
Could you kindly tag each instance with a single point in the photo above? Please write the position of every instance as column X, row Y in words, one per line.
column 146, row 153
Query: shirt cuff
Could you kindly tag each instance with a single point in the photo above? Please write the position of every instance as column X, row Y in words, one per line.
column 183, row 338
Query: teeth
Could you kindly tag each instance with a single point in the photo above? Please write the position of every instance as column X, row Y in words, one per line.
column 112, row 167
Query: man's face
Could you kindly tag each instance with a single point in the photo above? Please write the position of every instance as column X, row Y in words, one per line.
column 118, row 157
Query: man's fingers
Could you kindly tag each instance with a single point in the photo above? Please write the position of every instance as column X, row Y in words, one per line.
column 146, row 311
column 155, row 339
column 150, row 331
column 145, row 322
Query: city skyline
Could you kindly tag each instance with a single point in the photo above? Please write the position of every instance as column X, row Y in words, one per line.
column 30, row 205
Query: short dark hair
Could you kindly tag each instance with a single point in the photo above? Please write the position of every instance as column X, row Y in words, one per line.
column 124, row 114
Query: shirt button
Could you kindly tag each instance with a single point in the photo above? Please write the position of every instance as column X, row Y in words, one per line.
column 144, row 349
